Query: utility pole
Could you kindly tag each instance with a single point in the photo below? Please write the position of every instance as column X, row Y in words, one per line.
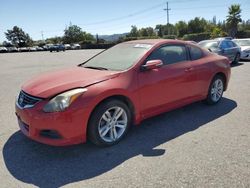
column 167, row 10
column 42, row 35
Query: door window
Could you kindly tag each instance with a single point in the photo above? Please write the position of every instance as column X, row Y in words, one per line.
column 169, row 54
column 224, row 45
column 230, row 44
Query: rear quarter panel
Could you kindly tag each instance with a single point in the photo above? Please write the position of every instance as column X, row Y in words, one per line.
column 217, row 64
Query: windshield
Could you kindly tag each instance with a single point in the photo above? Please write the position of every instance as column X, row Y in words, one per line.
column 209, row 45
column 242, row 42
column 119, row 57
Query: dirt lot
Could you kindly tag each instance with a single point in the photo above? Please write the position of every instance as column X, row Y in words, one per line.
column 195, row 146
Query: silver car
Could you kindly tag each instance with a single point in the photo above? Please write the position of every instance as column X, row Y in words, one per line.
column 245, row 47
column 223, row 46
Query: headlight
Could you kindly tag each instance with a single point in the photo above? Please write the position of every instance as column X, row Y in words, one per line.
column 62, row 101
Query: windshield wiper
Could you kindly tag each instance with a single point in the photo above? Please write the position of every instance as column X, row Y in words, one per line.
column 98, row 68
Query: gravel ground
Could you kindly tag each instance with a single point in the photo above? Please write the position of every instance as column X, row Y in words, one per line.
column 195, row 146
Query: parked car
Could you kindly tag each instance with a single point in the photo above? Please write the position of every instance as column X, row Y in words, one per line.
column 57, row 48
column 75, row 47
column 102, row 97
column 32, row 49
column 221, row 38
column 67, row 46
column 245, row 47
column 3, row 50
column 191, row 41
column 23, row 49
column 46, row 47
column 12, row 49
column 38, row 48
column 225, row 47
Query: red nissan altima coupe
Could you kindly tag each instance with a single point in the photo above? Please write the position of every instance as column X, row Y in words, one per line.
column 101, row 98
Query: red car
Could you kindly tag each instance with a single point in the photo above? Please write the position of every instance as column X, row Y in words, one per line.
column 100, row 99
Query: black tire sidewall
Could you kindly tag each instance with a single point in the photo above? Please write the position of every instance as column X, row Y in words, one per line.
column 93, row 133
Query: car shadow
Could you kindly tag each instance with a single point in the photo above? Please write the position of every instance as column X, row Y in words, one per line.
column 47, row 166
column 236, row 65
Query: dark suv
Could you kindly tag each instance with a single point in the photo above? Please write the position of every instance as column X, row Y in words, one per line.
column 223, row 46
column 57, row 47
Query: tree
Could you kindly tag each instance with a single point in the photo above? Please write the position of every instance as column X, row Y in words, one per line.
column 18, row 37
column 217, row 32
column 233, row 19
column 197, row 25
column 7, row 44
column 134, row 31
column 146, row 32
column 245, row 25
column 163, row 29
column 182, row 28
column 54, row 40
column 74, row 33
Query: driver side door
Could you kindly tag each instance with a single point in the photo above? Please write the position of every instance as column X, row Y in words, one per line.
column 165, row 87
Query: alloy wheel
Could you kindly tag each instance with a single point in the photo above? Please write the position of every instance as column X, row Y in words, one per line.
column 217, row 90
column 113, row 124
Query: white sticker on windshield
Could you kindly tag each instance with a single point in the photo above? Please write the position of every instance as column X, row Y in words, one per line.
column 143, row 46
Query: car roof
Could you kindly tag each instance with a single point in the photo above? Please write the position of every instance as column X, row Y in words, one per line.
column 242, row 39
column 156, row 41
column 216, row 40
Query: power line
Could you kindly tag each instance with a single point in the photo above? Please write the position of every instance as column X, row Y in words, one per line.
column 125, row 17
column 141, row 12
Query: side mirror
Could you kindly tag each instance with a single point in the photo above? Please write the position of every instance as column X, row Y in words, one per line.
column 153, row 64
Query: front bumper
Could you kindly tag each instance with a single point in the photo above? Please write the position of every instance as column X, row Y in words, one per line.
column 57, row 129
column 245, row 55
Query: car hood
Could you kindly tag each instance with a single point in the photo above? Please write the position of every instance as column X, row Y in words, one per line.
column 52, row 83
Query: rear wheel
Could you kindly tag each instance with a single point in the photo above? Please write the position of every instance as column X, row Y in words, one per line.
column 215, row 90
column 109, row 123
column 236, row 59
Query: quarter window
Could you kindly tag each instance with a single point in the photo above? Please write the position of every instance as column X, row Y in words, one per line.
column 195, row 53
column 169, row 54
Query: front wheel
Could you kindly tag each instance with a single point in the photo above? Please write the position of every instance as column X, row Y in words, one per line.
column 109, row 123
column 215, row 90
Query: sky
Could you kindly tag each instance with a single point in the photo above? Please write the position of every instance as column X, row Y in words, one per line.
column 49, row 18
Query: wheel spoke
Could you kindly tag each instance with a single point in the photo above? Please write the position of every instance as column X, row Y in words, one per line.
column 104, row 130
column 212, row 91
column 106, row 116
column 120, row 126
column 220, row 91
column 214, row 96
column 118, row 113
column 114, row 133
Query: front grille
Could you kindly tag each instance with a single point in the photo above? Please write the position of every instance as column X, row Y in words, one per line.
column 27, row 101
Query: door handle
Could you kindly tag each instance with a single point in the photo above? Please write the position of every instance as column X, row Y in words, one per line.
column 189, row 69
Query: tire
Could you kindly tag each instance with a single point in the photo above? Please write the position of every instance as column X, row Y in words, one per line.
column 236, row 59
column 103, row 127
column 215, row 91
